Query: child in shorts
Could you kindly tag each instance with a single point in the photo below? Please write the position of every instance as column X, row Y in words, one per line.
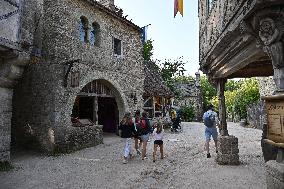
column 158, row 134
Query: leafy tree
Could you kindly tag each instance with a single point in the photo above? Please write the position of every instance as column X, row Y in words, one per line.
column 148, row 50
column 232, row 85
column 187, row 113
column 208, row 91
column 170, row 70
column 246, row 95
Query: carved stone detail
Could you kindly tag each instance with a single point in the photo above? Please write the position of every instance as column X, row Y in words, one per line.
column 271, row 38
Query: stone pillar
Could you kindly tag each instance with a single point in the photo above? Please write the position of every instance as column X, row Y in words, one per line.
column 228, row 152
column 275, row 171
column 271, row 36
column 5, row 123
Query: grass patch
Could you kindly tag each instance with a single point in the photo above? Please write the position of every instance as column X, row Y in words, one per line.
column 6, row 166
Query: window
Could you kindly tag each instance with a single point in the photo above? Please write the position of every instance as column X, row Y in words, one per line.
column 95, row 34
column 210, row 4
column 84, row 29
column 75, row 79
column 116, row 46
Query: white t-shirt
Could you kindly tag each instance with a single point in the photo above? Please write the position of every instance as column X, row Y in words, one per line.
column 158, row 136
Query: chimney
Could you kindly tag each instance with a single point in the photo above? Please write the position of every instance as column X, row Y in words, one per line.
column 107, row 3
column 197, row 79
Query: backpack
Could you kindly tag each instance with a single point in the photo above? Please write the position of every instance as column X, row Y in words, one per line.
column 143, row 127
column 140, row 126
column 209, row 119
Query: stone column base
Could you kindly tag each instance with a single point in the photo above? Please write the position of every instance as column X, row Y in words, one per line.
column 228, row 151
column 274, row 175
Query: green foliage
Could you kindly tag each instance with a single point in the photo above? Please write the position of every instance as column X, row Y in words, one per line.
column 5, row 166
column 246, row 95
column 232, row 85
column 238, row 95
column 187, row 113
column 148, row 50
column 170, row 70
column 208, row 91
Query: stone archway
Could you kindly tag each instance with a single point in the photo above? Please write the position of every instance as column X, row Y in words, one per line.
column 100, row 102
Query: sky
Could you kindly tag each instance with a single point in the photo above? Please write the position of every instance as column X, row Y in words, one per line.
column 173, row 37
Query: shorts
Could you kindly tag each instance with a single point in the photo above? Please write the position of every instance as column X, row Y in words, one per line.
column 158, row 142
column 211, row 131
column 145, row 138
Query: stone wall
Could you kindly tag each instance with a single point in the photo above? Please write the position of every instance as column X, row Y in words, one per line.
column 43, row 102
column 81, row 137
column 256, row 115
column 266, row 86
column 5, row 123
column 17, row 40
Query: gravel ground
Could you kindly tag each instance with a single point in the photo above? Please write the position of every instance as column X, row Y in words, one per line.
column 185, row 165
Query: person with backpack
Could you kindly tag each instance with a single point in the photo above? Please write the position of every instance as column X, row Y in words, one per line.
column 127, row 130
column 137, row 133
column 146, row 129
column 210, row 119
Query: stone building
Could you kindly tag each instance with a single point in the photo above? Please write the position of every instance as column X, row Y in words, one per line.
column 191, row 95
column 157, row 96
column 84, row 63
column 241, row 39
column 17, row 34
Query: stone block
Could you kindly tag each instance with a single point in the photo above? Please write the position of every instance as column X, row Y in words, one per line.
column 228, row 150
column 274, row 175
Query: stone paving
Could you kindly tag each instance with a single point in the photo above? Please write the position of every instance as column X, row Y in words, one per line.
column 185, row 165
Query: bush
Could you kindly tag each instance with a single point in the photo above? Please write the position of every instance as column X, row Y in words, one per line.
column 5, row 166
column 187, row 113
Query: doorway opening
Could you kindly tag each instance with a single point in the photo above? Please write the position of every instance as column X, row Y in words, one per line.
column 108, row 114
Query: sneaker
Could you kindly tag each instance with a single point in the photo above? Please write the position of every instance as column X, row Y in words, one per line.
column 208, row 155
column 124, row 161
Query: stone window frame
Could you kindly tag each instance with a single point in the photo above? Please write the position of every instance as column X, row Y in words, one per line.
column 84, row 29
column 117, row 45
column 209, row 6
column 95, row 34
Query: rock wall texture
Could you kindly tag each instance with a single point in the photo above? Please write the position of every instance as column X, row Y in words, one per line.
column 17, row 33
column 256, row 115
column 41, row 99
column 266, row 86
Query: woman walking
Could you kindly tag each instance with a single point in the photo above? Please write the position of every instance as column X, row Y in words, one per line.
column 146, row 130
column 127, row 129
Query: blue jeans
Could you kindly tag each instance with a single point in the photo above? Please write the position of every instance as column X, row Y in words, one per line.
column 211, row 131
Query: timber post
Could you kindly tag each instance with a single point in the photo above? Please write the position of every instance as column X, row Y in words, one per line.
column 222, row 107
column 228, row 151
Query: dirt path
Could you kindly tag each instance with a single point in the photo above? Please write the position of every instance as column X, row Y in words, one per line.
column 185, row 166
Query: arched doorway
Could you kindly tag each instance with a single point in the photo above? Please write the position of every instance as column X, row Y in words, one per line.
column 97, row 102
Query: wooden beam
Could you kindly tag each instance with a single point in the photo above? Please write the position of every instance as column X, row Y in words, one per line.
column 222, row 107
